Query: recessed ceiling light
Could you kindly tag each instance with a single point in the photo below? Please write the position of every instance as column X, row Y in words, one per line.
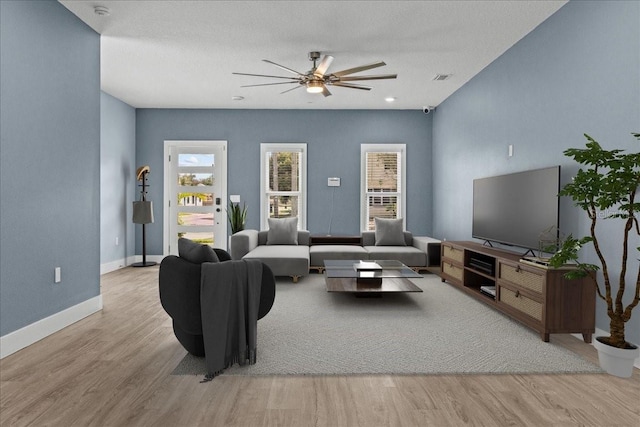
column 237, row 98
column 440, row 77
column 101, row 10
column 390, row 99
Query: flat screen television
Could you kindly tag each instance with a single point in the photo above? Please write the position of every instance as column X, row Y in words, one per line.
column 517, row 209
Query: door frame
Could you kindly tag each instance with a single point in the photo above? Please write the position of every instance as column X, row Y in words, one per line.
column 168, row 145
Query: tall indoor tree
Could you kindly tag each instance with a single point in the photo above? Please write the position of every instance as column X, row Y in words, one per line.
column 606, row 188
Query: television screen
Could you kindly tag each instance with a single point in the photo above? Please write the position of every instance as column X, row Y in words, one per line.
column 517, row 209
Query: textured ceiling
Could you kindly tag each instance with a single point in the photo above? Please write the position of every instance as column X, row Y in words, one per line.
column 180, row 54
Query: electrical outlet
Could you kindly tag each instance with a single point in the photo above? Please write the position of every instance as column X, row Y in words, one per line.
column 510, row 150
column 57, row 275
column 117, row 241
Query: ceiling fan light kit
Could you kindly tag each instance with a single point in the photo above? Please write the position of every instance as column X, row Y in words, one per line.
column 318, row 78
column 315, row 87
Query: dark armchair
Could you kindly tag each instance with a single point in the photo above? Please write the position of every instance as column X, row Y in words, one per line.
column 179, row 283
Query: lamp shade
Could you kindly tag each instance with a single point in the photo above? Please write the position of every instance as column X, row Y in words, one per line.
column 142, row 212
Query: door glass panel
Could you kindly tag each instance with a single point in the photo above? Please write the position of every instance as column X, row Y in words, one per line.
column 195, row 179
column 195, row 218
column 196, row 160
column 283, row 206
column 195, row 199
column 205, row 238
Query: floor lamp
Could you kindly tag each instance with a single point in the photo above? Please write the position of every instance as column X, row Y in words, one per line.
column 143, row 214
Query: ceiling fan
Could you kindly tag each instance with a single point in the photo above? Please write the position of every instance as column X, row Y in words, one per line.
column 318, row 78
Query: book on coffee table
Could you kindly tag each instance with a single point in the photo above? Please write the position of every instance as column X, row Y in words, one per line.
column 367, row 266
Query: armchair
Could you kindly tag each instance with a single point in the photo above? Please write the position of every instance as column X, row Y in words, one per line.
column 179, row 283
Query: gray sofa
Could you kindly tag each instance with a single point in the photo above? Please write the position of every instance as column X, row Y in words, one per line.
column 296, row 260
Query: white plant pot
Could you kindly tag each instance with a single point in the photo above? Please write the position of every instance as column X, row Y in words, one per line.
column 616, row 361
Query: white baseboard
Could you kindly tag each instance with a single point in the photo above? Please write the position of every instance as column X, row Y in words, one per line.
column 116, row 265
column 600, row 332
column 36, row 331
column 123, row 262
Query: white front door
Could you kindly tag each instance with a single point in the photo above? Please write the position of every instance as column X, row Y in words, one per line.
column 195, row 188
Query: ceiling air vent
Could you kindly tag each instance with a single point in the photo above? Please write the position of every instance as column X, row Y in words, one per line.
column 440, row 77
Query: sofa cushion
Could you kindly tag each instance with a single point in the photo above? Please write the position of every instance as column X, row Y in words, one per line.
column 196, row 252
column 282, row 231
column 389, row 232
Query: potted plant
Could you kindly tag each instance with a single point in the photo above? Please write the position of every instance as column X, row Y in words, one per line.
column 237, row 216
column 606, row 188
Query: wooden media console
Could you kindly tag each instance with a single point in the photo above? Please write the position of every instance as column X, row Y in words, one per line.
column 537, row 296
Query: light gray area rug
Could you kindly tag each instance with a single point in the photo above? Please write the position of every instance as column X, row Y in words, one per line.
column 440, row 331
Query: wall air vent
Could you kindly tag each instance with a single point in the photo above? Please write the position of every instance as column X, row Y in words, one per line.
column 440, row 77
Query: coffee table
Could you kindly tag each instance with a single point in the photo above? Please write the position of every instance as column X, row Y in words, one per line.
column 340, row 276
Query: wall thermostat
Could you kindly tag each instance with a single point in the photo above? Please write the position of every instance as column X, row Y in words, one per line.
column 333, row 182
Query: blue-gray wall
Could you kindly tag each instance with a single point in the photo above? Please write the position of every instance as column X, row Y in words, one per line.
column 49, row 161
column 578, row 72
column 117, row 179
column 333, row 145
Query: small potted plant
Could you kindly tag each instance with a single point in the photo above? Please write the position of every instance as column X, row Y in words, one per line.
column 606, row 188
column 237, row 216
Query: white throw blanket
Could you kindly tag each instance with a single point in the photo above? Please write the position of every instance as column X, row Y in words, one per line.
column 229, row 301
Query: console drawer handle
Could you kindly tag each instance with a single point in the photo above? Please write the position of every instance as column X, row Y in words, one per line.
column 517, row 269
column 517, row 294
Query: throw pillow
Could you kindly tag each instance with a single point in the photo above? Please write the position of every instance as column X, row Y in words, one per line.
column 282, row 231
column 389, row 232
column 195, row 252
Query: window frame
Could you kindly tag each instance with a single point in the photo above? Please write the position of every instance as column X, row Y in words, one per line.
column 268, row 147
column 402, row 190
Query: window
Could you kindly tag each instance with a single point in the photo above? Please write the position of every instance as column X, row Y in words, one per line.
column 283, row 172
column 383, row 183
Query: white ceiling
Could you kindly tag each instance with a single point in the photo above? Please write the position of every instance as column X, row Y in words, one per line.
column 180, row 54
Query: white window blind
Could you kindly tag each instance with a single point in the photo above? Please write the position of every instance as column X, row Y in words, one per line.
column 283, row 182
column 383, row 178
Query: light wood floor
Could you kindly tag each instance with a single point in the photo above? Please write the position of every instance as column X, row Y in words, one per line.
column 113, row 369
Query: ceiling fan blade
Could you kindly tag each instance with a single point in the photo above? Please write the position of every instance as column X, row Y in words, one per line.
column 351, row 86
column 324, row 65
column 358, row 69
column 293, row 88
column 270, row 84
column 325, row 91
column 265, row 75
column 378, row 77
column 283, row 67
